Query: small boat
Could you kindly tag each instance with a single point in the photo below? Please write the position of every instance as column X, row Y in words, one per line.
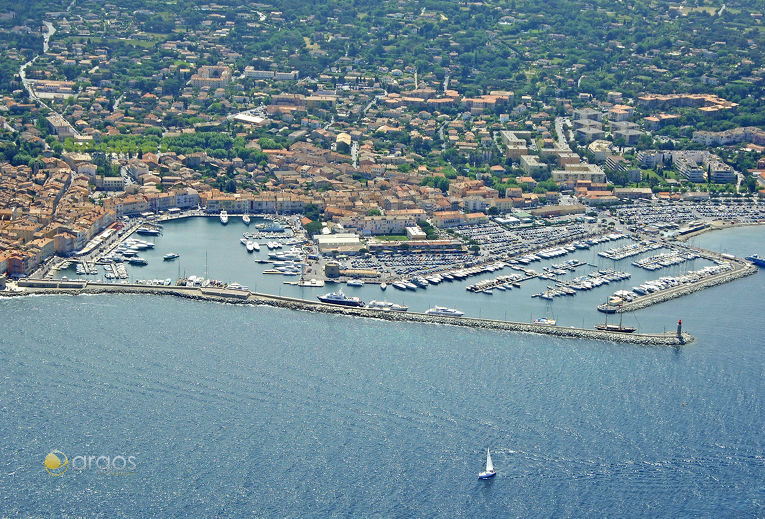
column 246, row 219
column 250, row 246
column 137, row 260
column 489, row 472
column 170, row 256
column 354, row 283
column 545, row 321
column 223, row 217
column 383, row 285
column 443, row 311
column 311, row 283
column 399, row 285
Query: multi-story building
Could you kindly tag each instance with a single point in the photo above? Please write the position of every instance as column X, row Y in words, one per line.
column 576, row 172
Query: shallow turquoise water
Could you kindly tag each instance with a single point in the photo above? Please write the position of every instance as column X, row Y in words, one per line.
column 262, row 412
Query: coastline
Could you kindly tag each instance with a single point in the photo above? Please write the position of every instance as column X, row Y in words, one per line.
column 715, row 226
column 220, row 295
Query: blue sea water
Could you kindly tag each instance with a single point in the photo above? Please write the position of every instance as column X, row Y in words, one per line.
column 259, row 412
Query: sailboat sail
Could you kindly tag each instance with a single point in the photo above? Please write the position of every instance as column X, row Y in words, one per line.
column 489, row 464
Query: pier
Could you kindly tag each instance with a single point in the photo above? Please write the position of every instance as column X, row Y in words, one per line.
column 222, row 295
column 739, row 270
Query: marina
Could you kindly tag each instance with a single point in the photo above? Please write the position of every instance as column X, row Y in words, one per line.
column 289, row 266
column 370, row 396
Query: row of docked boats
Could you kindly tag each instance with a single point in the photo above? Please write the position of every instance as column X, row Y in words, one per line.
column 632, row 249
column 86, row 268
column 501, row 283
column 270, row 226
column 621, row 297
column 455, row 275
column 665, row 259
column 250, row 245
column 594, row 279
column 115, row 271
column 339, row 298
column 128, row 252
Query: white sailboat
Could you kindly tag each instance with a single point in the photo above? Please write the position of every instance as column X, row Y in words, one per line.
column 489, row 472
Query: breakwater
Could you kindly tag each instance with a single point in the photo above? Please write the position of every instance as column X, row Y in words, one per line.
column 740, row 270
column 244, row 297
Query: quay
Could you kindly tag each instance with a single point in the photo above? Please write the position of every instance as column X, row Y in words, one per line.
column 740, row 269
column 222, row 295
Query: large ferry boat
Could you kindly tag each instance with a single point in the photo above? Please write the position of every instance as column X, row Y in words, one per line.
column 756, row 259
column 338, row 298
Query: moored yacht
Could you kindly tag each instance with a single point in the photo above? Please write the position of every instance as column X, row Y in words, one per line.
column 386, row 306
column 246, row 219
column 223, row 217
column 338, row 298
column 170, row 256
column 444, row 311
column 148, row 231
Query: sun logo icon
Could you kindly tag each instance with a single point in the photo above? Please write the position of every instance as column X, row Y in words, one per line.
column 56, row 463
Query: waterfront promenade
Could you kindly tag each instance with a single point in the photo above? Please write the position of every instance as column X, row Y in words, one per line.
column 27, row 287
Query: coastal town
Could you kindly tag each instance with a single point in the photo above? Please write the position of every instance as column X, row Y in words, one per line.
column 376, row 163
column 382, row 258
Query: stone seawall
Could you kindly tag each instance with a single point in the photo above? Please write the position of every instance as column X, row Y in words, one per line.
column 239, row 297
column 741, row 270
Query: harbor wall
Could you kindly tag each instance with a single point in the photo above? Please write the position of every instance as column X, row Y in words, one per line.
column 243, row 297
column 740, row 270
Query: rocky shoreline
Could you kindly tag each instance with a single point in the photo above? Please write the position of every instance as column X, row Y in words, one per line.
column 242, row 297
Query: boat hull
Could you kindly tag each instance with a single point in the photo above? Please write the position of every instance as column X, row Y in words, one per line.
column 616, row 329
column 486, row 475
column 339, row 302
